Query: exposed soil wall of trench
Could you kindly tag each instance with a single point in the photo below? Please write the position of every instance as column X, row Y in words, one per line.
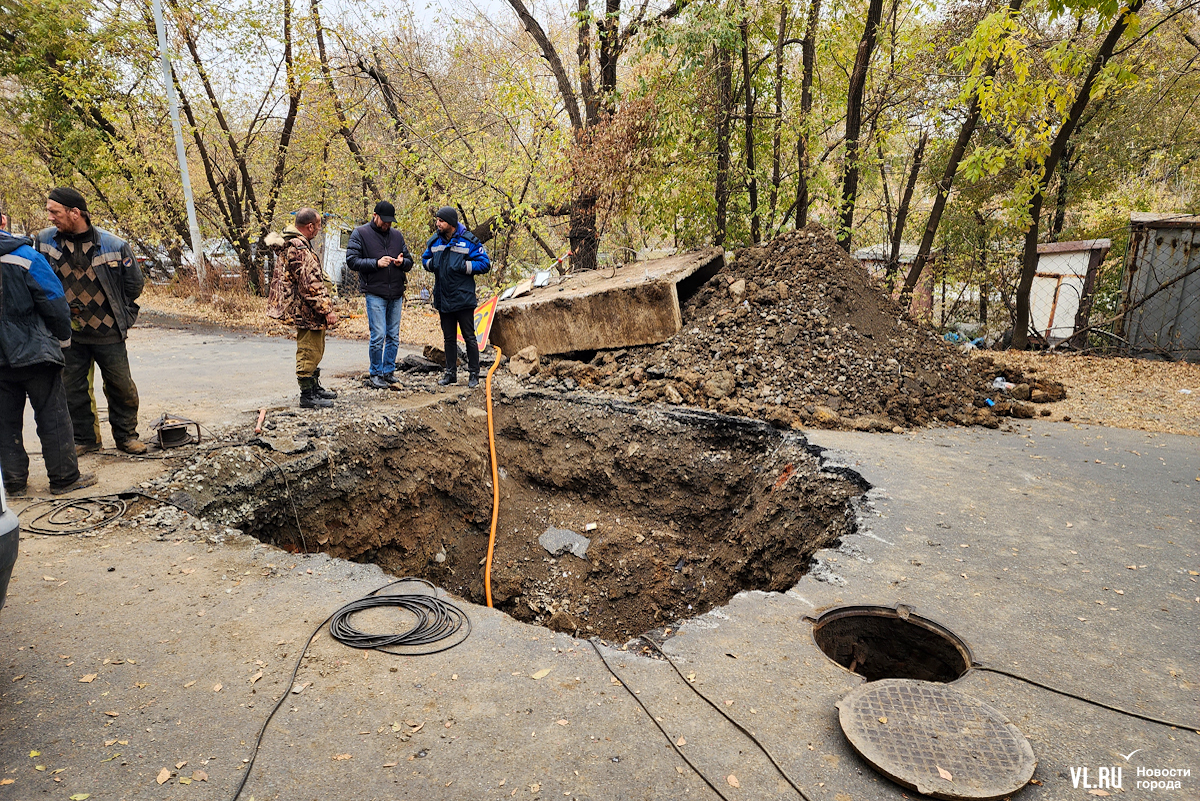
column 689, row 507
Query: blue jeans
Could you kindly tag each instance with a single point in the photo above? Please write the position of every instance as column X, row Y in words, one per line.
column 383, row 317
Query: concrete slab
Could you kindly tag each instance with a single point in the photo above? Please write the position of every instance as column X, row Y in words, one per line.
column 637, row 304
column 191, row 641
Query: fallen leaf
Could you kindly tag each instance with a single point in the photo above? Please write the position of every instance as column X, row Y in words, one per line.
column 945, row 774
column 89, row 678
column 216, row 688
column 199, row 776
column 388, row 765
column 733, row 782
column 111, row 758
column 614, row 680
column 681, row 741
column 76, row 797
column 1097, row 792
column 533, row 788
column 1119, row 592
column 679, row 770
column 691, row 677
column 883, row 720
column 342, row 757
column 163, row 776
column 189, row 684
column 18, row 678
column 10, row 781
column 107, row 743
column 563, row 722
column 112, row 713
column 541, row 674
column 179, row 765
column 49, row 578
column 299, row 688
column 256, row 677
column 416, row 727
column 1038, row 782
column 184, row 780
column 39, row 767
column 34, row 754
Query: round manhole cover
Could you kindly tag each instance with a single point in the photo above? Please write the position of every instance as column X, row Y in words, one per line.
column 936, row 740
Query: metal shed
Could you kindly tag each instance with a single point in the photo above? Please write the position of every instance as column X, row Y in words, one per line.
column 1160, row 288
column 1060, row 300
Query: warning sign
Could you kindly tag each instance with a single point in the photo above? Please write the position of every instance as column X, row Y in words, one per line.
column 484, row 314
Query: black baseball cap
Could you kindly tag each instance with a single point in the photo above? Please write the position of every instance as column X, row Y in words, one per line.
column 386, row 211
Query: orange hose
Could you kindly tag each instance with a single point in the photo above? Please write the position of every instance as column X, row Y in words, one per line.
column 487, row 570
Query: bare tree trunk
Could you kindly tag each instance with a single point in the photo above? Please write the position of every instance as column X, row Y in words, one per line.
column 776, row 135
column 893, row 266
column 1029, row 262
column 751, row 169
column 1060, row 203
column 724, row 109
column 809, row 61
column 858, row 83
column 343, row 125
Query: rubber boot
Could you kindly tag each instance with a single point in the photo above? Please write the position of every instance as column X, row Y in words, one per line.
column 473, row 381
column 309, row 399
column 327, row 394
column 449, row 377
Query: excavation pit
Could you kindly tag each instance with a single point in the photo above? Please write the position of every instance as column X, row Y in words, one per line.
column 682, row 508
column 879, row 642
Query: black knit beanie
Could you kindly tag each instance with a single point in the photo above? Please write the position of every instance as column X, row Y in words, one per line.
column 448, row 214
column 69, row 198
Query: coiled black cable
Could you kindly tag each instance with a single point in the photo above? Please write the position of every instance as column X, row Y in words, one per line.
column 448, row 620
column 437, row 621
column 72, row 515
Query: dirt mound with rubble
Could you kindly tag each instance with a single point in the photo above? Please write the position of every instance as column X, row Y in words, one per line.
column 794, row 332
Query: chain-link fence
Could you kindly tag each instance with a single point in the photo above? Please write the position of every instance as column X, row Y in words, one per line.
column 1134, row 290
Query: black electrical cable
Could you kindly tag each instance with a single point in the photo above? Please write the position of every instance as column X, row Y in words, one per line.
column 1064, row 693
column 725, row 715
column 74, row 515
column 448, row 612
column 437, row 621
column 654, row 720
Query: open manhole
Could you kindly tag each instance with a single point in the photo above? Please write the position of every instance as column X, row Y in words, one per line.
column 881, row 642
column 683, row 508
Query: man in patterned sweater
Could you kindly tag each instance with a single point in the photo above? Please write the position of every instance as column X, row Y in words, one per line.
column 301, row 295
column 102, row 282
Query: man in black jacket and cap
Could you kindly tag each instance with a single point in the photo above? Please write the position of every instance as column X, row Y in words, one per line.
column 35, row 326
column 378, row 253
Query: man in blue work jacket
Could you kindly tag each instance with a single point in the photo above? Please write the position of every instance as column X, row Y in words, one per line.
column 455, row 256
column 35, row 326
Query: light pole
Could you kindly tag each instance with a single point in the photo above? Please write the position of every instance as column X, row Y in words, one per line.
column 180, row 152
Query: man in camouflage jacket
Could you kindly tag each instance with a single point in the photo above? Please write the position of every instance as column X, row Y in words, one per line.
column 301, row 295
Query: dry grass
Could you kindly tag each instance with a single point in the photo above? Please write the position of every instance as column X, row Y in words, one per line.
column 231, row 306
column 1142, row 394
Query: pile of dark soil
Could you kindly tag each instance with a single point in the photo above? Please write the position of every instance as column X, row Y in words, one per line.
column 794, row 332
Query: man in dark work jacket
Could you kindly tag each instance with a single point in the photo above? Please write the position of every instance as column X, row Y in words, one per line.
column 378, row 253
column 102, row 282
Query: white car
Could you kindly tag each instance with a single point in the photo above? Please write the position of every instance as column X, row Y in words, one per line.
column 10, row 536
